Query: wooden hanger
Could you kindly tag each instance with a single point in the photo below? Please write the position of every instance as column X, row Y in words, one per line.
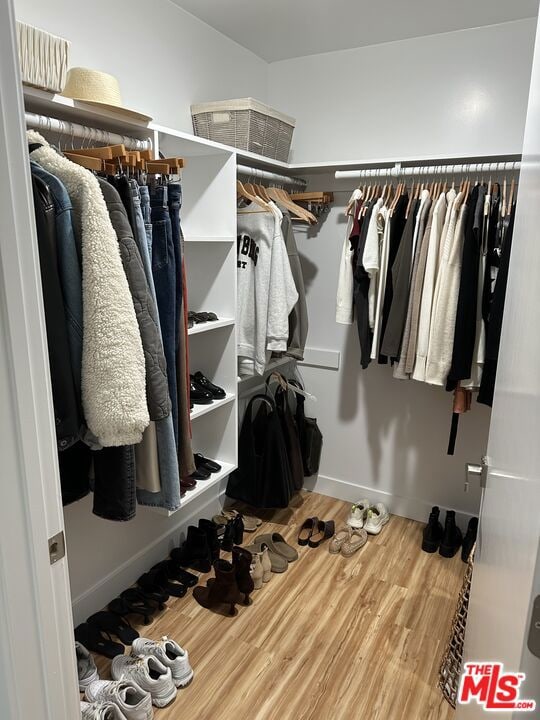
column 281, row 196
column 242, row 192
column 157, row 167
column 176, row 162
column 105, row 153
column 90, row 163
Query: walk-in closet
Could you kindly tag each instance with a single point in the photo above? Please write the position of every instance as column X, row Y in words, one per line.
column 268, row 360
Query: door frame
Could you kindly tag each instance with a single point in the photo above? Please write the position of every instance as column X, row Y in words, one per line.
column 38, row 675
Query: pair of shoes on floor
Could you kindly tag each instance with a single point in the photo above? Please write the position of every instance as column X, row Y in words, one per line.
column 449, row 539
column 202, row 391
column 139, row 601
column 167, row 578
column 116, row 700
column 372, row 518
column 347, row 541
column 314, row 531
column 251, row 523
column 231, row 586
column 96, row 633
column 205, row 467
column 279, row 552
column 200, row 549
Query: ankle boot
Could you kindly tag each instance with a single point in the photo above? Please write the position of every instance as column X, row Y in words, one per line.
column 194, row 552
column 227, row 541
column 256, row 570
column 242, row 560
column 210, row 528
column 222, row 592
column 469, row 539
column 451, row 539
column 433, row 532
column 266, row 564
column 238, row 530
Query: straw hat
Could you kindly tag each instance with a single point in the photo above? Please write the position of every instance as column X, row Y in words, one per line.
column 98, row 88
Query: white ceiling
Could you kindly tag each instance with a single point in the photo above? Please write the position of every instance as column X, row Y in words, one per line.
column 281, row 29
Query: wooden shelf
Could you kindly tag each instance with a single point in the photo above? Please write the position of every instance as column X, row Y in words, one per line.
column 202, row 487
column 210, row 325
column 200, row 410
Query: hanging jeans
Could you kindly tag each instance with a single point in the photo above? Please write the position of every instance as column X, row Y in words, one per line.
column 164, row 272
column 147, row 216
column 167, row 495
column 174, row 191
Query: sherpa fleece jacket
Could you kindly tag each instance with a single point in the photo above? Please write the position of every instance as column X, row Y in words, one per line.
column 113, row 382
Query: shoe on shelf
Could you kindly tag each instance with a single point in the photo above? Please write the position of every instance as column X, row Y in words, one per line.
column 452, row 538
column 433, row 532
column 207, row 386
column 356, row 540
column 149, row 674
column 271, row 561
column 203, row 462
column 188, row 483
column 469, row 539
column 200, row 473
column 194, row 552
column 376, row 518
column 358, row 514
column 101, row 711
column 339, row 538
column 86, row 667
column 198, row 394
column 276, row 543
column 131, row 700
column 306, row 531
column 222, row 594
column 324, row 530
column 170, row 654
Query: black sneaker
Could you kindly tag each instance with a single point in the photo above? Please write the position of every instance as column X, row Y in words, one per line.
column 469, row 539
column 452, row 538
column 433, row 532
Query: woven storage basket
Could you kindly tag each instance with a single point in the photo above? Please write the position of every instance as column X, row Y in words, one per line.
column 452, row 662
column 246, row 124
column 43, row 58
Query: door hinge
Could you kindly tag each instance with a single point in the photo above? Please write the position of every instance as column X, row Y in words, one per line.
column 479, row 471
column 57, row 547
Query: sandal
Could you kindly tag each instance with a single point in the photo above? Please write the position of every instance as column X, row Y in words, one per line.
column 115, row 625
column 323, row 531
column 251, row 523
column 155, row 600
column 276, row 543
column 123, row 606
column 306, row 531
column 94, row 639
column 173, row 571
column 157, row 578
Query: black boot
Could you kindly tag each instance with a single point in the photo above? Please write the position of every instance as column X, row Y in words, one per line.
column 433, row 532
column 210, row 528
column 227, row 541
column 194, row 552
column 241, row 560
column 469, row 539
column 451, row 539
column 238, row 530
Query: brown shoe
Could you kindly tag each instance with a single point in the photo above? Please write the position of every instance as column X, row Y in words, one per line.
column 357, row 539
column 341, row 535
column 222, row 594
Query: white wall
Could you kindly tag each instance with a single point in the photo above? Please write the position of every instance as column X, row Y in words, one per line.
column 459, row 92
column 384, row 439
column 164, row 57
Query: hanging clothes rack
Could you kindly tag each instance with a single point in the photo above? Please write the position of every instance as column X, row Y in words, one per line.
column 72, row 130
column 397, row 170
column 258, row 174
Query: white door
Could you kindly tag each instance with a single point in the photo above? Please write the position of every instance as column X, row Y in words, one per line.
column 37, row 659
column 507, row 569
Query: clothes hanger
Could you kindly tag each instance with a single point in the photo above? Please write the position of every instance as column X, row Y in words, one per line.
column 241, row 191
column 90, row 163
column 355, row 197
column 281, row 196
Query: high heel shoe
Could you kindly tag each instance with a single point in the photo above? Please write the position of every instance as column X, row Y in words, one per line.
column 221, row 594
column 194, row 552
column 242, row 560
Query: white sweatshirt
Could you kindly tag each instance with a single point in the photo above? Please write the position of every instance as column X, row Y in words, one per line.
column 371, row 259
column 266, row 291
column 345, row 287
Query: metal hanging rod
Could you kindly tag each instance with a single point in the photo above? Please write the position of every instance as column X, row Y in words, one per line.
column 64, row 127
column 267, row 175
column 422, row 170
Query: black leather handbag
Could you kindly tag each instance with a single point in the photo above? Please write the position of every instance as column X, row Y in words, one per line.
column 263, row 478
column 311, row 438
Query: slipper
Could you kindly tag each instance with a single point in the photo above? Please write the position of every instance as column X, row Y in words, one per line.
column 131, row 606
column 111, row 623
column 97, row 641
column 307, row 529
column 278, row 562
column 276, row 543
column 175, row 572
column 321, row 532
column 157, row 578
column 154, row 600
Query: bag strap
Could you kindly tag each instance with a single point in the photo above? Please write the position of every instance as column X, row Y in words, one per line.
column 268, row 399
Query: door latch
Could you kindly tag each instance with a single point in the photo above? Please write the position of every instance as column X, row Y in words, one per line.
column 533, row 641
column 57, row 547
column 479, row 471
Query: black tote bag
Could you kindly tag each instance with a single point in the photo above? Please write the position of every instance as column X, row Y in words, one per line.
column 311, row 438
column 263, row 477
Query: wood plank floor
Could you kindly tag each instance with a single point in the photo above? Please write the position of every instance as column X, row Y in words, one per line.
column 333, row 638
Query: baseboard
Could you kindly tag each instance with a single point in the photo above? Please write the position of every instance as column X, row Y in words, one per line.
column 96, row 597
column 412, row 508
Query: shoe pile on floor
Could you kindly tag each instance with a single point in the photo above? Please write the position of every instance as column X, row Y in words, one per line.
column 449, row 539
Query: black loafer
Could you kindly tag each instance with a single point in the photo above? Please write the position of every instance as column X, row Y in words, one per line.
column 205, row 384
column 201, row 473
column 202, row 462
column 198, row 394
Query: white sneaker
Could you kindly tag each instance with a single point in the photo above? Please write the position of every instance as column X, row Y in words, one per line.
column 357, row 514
column 136, row 704
column 149, row 674
column 86, row 667
column 377, row 517
column 101, row 711
column 170, row 654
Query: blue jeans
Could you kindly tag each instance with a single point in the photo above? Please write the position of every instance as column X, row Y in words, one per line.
column 169, row 495
column 147, row 215
column 175, row 203
column 165, row 281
